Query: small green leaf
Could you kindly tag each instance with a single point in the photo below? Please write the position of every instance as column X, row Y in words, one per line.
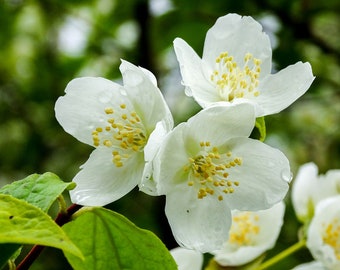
column 23, row 223
column 261, row 126
column 110, row 241
column 38, row 190
column 7, row 251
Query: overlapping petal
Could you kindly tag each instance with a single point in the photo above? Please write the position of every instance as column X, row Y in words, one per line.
column 238, row 36
column 210, row 163
column 235, row 67
column 118, row 121
column 199, row 225
column 82, row 108
column 323, row 233
column 251, row 234
column 187, row 259
column 99, row 182
column 309, row 188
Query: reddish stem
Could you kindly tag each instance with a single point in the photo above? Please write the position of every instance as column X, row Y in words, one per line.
column 34, row 253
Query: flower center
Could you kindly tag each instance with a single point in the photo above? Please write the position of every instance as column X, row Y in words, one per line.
column 243, row 229
column 122, row 130
column 331, row 236
column 208, row 172
column 233, row 81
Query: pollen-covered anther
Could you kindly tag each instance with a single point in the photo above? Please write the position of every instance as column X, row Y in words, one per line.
column 244, row 229
column 123, row 130
column 331, row 236
column 208, row 171
column 234, row 79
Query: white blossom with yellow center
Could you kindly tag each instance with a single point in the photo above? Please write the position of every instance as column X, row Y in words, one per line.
column 235, row 67
column 309, row 188
column 125, row 124
column 208, row 166
column 251, row 234
column 323, row 237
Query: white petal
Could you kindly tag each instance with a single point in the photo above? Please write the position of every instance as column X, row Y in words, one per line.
column 145, row 96
column 194, row 75
column 187, row 259
column 238, row 36
column 170, row 161
column 269, row 222
column 100, row 182
column 215, row 124
column 148, row 185
column 302, row 190
column 314, row 265
column 81, row 110
column 327, row 212
column 278, row 91
column 263, row 176
column 220, row 122
column 202, row 225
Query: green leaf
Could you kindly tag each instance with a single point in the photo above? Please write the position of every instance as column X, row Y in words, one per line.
column 7, row 251
column 38, row 190
column 261, row 126
column 110, row 241
column 23, row 223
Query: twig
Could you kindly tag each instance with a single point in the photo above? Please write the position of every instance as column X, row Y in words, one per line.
column 61, row 219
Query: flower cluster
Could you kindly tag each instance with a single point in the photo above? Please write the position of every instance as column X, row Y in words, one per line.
column 316, row 200
column 221, row 186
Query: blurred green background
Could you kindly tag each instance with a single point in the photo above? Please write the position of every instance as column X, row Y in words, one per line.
column 44, row 44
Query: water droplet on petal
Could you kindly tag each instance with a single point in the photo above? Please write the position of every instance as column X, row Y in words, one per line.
column 122, row 92
column 286, row 175
column 105, row 97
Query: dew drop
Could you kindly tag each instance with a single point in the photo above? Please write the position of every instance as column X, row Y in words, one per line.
column 122, row 92
column 105, row 97
column 286, row 175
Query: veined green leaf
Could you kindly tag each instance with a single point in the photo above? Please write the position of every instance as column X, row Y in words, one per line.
column 38, row 190
column 23, row 223
column 110, row 241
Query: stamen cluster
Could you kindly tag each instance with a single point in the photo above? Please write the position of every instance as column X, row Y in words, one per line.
column 233, row 81
column 243, row 229
column 124, row 131
column 208, row 171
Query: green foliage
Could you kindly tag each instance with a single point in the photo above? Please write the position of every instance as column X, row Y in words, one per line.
column 35, row 70
column 260, row 124
column 38, row 190
column 110, row 241
column 24, row 223
column 7, row 252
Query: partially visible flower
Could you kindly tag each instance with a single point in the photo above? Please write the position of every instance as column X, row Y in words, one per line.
column 309, row 188
column 314, row 265
column 208, row 166
column 323, row 237
column 121, row 122
column 236, row 66
column 251, row 234
column 187, row 259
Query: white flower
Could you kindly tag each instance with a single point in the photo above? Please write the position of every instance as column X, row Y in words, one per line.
column 236, row 66
column 323, row 238
column 251, row 234
column 187, row 259
column 309, row 188
column 119, row 121
column 208, row 166
column 314, row 265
